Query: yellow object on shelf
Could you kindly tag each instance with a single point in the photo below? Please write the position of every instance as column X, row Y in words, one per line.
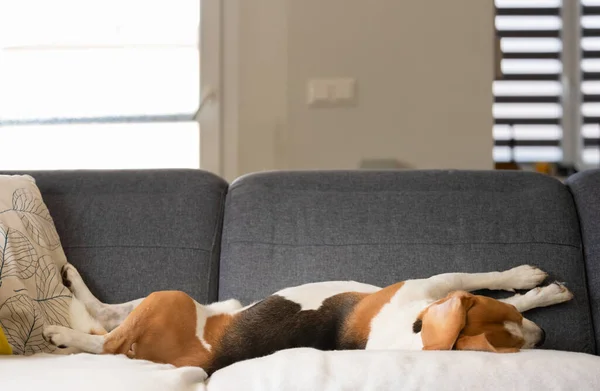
column 4, row 346
column 546, row 168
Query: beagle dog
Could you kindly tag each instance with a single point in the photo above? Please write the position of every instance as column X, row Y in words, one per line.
column 436, row 313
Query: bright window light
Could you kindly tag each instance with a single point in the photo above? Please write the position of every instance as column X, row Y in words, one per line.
column 100, row 146
column 520, row 88
column 532, row 110
column 527, row 3
column 99, row 84
column 530, row 45
column 528, row 22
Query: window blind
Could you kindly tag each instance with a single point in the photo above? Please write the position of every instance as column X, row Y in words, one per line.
column 527, row 99
column 590, row 85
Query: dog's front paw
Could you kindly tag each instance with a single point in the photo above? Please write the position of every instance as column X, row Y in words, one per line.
column 554, row 293
column 523, row 277
column 57, row 336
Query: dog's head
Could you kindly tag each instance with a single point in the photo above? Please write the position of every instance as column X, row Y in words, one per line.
column 463, row 321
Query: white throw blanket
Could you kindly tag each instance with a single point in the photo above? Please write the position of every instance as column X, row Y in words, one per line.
column 86, row 372
column 312, row 370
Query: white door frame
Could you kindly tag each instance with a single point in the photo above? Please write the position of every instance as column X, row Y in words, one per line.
column 210, row 114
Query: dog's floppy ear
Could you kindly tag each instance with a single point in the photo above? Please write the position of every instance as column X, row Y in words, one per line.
column 482, row 343
column 442, row 322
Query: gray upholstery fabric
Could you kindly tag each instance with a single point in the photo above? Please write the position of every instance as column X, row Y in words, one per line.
column 133, row 232
column 283, row 229
column 585, row 187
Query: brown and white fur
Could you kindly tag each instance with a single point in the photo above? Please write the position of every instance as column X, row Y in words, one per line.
column 436, row 313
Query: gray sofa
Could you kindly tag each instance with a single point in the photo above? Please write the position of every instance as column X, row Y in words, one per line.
column 133, row 232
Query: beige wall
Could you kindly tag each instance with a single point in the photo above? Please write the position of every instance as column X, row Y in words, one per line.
column 424, row 71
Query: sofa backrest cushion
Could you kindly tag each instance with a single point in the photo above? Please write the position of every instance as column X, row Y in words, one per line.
column 287, row 228
column 585, row 187
column 133, row 232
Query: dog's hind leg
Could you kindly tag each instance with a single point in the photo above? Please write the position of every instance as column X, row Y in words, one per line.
column 163, row 329
column 109, row 316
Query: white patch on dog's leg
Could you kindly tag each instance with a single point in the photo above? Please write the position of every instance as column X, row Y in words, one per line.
column 80, row 318
column 110, row 316
column 63, row 337
column 552, row 294
column 516, row 300
column 72, row 280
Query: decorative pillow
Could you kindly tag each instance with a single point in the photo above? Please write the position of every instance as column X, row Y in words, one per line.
column 31, row 290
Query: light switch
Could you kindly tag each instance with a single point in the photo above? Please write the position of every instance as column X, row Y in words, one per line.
column 331, row 92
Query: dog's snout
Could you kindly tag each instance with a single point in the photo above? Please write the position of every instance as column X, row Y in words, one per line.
column 542, row 338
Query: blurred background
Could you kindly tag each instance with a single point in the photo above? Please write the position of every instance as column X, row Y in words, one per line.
column 237, row 86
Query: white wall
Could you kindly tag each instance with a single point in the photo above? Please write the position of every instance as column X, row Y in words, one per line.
column 424, row 70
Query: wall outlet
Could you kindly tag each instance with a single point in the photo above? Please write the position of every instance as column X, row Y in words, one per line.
column 337, row 92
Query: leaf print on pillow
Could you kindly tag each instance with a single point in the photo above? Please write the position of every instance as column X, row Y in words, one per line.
column 23, row 327
column 36, row 218
column 52, row 296
column 17, row 255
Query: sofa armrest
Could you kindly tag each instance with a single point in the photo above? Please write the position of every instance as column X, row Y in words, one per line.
column 585, row 187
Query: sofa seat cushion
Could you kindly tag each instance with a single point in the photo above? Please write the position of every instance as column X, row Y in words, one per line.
column 95, row 373
column 310, row 369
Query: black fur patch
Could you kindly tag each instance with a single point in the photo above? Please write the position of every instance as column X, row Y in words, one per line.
column 417, row 326
column 277, row 323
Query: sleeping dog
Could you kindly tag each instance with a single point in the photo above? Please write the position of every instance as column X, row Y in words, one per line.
column 436, row 313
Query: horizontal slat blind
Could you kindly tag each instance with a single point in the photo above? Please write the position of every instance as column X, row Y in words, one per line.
column 590, row 87
column 527, row 100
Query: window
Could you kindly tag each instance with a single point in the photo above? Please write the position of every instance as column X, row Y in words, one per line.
column 547, row 103
column 99, row 84
column 528, row 99
column 590, row 85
